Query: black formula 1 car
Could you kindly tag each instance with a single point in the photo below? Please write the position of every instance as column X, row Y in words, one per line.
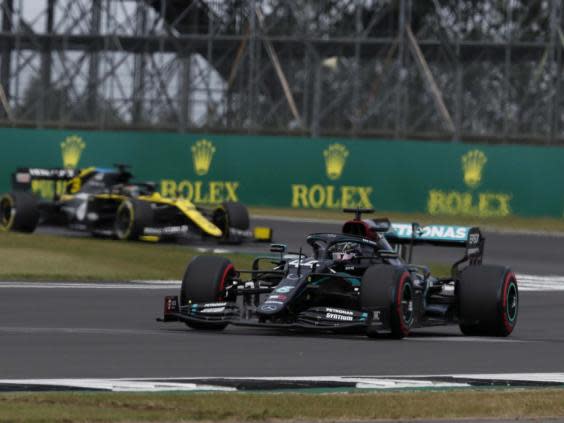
column 359, row 280
column 106, row 202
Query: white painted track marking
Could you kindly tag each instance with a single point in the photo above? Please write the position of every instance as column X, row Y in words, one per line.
column 522, row 377
column 540, row 283
column 526, row 283
column 119, row 385
column 358, row 382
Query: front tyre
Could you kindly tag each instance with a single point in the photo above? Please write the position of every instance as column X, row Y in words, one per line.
column 386, row 287
column 205, row 281
column 231, row 217
column 488, row 301
column 19, row 212
column 132, row 217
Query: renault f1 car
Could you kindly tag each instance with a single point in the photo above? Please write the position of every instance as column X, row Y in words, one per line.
column 359, row 280
column 106, row 202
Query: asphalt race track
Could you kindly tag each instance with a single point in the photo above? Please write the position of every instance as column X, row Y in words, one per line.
column 112, row 332
column 109, row 330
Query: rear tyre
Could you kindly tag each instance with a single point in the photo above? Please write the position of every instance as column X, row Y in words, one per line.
column 385, row 287
column 132, row 217
column 19, row 212
column 204, row 281
column 488, row 301
column 231, row 215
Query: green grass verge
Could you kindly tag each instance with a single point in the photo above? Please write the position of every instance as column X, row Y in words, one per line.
column 507, row 223
column 238, row 407
column 45, row 257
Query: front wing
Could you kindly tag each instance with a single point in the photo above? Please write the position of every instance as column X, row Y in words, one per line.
column 313, row 319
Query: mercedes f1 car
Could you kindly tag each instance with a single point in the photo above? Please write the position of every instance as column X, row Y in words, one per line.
column 106, row 202
column 359, row 280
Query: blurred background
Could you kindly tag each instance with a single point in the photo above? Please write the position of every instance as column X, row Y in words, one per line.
column 438, row 69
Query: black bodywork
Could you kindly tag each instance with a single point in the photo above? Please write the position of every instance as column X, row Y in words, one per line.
column 323, row 291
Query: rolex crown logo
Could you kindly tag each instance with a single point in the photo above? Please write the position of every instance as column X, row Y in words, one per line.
column 335, row 159
column 473, row 164
column 202, row 155
column 71, row 149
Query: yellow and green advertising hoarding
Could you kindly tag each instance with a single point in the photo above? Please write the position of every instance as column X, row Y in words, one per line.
column 405, row 176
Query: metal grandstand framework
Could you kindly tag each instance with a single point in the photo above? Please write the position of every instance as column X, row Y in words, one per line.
column 441, row 69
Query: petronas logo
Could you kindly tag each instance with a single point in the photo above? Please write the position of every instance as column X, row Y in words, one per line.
column 71, row 149
column 202, row 156
column 473, row 164
column 335, row 160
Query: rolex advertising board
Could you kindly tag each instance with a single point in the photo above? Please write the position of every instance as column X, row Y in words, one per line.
column 405, row 176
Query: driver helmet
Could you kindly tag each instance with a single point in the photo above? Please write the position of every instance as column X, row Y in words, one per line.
column 345, row 251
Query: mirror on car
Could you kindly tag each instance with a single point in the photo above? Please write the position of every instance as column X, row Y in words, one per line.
column 278, row 248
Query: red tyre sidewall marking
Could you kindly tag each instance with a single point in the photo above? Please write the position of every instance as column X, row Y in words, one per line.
column 506, row 323
column 399, row 295
column 230, row 268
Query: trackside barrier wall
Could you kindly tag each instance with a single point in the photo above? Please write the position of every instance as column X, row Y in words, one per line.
column 404, row 176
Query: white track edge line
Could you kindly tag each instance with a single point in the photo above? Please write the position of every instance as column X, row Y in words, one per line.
column 526, row 283
column 358, row 382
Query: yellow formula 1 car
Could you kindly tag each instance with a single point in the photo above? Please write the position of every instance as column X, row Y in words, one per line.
column 106, row 202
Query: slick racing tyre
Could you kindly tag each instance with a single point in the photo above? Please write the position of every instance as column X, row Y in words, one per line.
column 132, row 217
column 18, row 212
column 488, row 301
column 231, row 215
column 386, row 287
column 204, row 281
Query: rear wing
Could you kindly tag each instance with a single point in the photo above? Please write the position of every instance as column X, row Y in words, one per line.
column 44, row 182
column 23, row 176
column 411, row 234
column 439, row 235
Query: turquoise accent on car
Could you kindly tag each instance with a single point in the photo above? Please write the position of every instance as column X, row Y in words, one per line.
column 431, row 232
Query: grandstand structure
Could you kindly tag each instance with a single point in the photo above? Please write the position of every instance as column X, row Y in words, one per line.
column 436, row 69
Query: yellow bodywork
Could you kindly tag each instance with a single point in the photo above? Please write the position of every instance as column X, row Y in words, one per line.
column 75, row 184
column 184, row 206
column 189, row 211
column 262, row 234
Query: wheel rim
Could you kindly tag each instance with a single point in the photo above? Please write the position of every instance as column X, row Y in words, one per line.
column 6, row 212
column 407, row 304
column 123, row 221
column 512, row 302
